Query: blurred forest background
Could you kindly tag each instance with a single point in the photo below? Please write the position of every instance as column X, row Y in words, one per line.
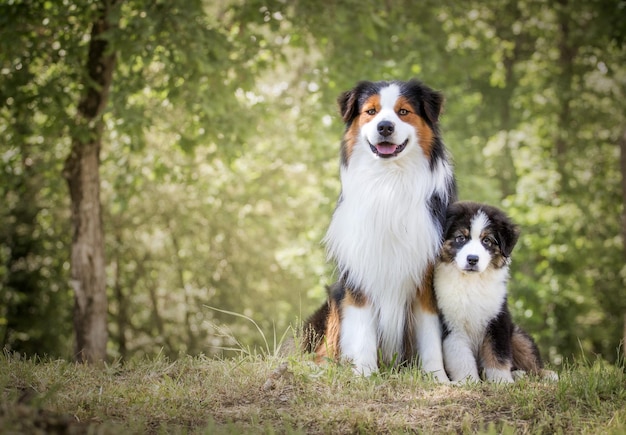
column 218, row 165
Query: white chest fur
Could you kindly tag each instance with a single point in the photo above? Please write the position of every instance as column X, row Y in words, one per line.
column 469, row 301
column 382, row 234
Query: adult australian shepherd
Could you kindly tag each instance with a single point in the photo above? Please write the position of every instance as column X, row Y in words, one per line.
column 471, row 290
column 386, row 231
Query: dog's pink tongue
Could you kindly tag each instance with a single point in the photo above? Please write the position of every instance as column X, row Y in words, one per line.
column 386, row 148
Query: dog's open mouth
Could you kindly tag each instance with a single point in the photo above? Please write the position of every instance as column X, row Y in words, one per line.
column 388, row 149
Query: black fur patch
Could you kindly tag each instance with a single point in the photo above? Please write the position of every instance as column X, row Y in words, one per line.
column 500, row 330
column 460, row 214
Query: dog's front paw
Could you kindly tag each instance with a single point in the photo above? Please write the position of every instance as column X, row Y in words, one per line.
column 465, row 382
column 439, row 376
column 549, row 375
column 365, row 370
column 470, row 379
column 518, row 374
column 499, row 376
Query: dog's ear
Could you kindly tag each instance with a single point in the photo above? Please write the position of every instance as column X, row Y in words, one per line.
column 348, row 105
column 433, row 105
column 430, row 101
column 349, row 102
column 452, row 213
column 509, row 234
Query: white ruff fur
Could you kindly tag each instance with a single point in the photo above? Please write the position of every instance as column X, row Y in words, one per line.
column 382, row 233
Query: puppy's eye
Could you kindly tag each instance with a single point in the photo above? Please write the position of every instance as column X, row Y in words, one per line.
column 460, row 238
column 489, row 241
column 371, row 112
column 403, row 112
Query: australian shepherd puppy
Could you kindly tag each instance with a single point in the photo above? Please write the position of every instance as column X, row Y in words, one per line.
column 471, row 290
column 386, row 231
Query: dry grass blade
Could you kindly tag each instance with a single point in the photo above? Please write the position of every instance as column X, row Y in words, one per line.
column 268, row 394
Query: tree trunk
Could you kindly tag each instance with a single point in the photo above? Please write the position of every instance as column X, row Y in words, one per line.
column 82, row 174
column 568, row 51
column 622, row 149
column 122, row 306
column 508, row 178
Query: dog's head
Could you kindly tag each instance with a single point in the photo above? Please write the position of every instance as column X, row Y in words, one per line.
column 478, row 236
column 388, row 119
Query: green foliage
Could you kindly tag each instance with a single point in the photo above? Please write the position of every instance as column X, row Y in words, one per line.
column 35, row 308
column 219, row 161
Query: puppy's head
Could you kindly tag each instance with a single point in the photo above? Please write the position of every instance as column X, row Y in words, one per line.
column 477, row 237
column 387, row 119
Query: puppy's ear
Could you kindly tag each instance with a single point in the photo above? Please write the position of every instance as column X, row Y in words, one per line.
column 349, row 102
column 452, row 213
column 509, row 235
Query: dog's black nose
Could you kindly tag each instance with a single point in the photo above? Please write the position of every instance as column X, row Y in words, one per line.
column 385, row 128
column 472, row 260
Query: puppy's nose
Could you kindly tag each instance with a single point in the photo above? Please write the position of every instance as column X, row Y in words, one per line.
column 385, row 128
column 472, row 260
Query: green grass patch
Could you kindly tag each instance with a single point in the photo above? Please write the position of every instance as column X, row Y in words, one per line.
column 272, row 394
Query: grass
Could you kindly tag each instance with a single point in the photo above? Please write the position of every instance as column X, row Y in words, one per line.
column 274, row 394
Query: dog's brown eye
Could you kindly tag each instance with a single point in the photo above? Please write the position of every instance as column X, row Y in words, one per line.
column 459, row 239
column 403, row 112
column 371, row 112
column 489, row 241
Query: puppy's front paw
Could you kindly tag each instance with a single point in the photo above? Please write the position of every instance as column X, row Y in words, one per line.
column 499, row 375
column 467, row 380
column 440, row 376
column 518, row 374
column 549, row 375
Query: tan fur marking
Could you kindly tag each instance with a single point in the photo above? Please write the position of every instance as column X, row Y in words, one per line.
column 425, row 136
column 426, row 292
column 424, row 133
column 350, row 138
column 489, row 359
column 447, row 251
column 498, row 259
column 356, row 299
column 372, row 102
column 523, row 354
column 328, row 348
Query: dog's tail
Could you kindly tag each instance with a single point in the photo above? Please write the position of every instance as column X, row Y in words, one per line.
column 314, row 328
column 526, row 355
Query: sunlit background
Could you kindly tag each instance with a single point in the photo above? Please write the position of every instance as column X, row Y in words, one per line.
column 219, row 166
